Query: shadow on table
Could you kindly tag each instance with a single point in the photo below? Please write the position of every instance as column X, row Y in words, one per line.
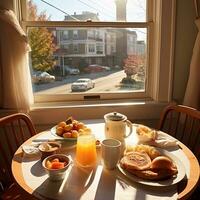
column 106, row 186
column 79, row 183
column 181, row 186
column 74, row 185
column 37, row 169
column 142, row 191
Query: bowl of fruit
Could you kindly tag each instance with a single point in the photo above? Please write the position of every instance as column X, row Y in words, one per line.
column 70, row 129
column 56, row 166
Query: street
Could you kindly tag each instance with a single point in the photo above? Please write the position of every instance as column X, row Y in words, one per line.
column 104, row 82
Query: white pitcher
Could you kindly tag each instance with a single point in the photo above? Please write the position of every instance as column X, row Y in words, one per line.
column 115, row 126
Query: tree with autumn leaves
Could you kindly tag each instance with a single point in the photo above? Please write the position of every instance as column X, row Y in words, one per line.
column 41, row 41
column 133, row 64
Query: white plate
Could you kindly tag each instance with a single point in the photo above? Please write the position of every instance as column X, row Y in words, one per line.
column 53, row 131
column 167, row 182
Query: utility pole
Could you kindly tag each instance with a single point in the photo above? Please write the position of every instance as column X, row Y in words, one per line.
column 121, row 34
column 121, row 10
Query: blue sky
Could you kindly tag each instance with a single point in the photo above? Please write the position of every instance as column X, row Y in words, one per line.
column 105, row 9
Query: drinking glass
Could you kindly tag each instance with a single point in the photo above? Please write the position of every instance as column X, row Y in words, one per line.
column 86, row 155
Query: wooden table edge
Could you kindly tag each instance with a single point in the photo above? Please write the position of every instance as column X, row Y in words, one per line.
column 16, row 166
column 194, row 177
column 188, row 190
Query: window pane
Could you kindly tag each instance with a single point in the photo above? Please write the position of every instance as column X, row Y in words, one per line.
column 115, row 59
column 82, row 10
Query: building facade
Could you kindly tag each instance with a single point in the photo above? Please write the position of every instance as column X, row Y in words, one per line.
column 80, row 47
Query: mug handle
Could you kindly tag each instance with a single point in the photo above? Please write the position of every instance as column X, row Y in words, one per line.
column 129, row 124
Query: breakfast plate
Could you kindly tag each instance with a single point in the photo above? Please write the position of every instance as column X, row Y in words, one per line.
column 53, row 132
column 171, row 181
column 59, row 138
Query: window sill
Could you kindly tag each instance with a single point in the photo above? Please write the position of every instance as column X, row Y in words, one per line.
column 52, row 113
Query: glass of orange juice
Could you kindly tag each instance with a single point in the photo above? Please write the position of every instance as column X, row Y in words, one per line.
column 86, row 155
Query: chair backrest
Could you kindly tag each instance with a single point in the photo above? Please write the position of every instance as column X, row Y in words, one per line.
column 183, row 123
column 14, row 130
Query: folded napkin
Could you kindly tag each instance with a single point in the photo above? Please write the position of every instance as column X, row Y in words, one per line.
column 165, row 140
column 30, row 150
column 162, row 140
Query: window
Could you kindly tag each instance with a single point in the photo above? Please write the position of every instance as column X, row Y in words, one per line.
column 100, row 35
column 91, row 48
column 75, row 34
column 100, row 48
column 64, row 35
column 91, row 34
column 75, row 48
column 123, row 39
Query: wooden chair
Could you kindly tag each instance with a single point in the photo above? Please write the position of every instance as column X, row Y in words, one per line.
column 14, row 130
column 183, row 123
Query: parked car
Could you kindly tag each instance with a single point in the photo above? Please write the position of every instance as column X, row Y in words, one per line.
column 42, row 77
column 106, row 68
column 82, row 84
column 94, row 68
column 36, row 77
column 71, row 70
column 46, row 77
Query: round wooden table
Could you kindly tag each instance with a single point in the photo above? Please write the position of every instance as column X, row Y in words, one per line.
column 185, row 187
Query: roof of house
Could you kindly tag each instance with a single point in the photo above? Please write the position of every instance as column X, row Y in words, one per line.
column 82, row 17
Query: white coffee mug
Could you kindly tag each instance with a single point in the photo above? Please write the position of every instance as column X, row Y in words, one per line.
column 110, row 152
column 115, row 126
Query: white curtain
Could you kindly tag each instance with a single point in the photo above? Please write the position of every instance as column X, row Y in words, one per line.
column 15, row 82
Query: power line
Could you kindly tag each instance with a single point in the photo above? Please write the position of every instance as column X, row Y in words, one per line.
column 92, row 7
column 88, row 6
column 138, row 1
column 60, row 10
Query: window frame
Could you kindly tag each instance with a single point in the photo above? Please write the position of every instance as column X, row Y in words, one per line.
column 156, row 89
